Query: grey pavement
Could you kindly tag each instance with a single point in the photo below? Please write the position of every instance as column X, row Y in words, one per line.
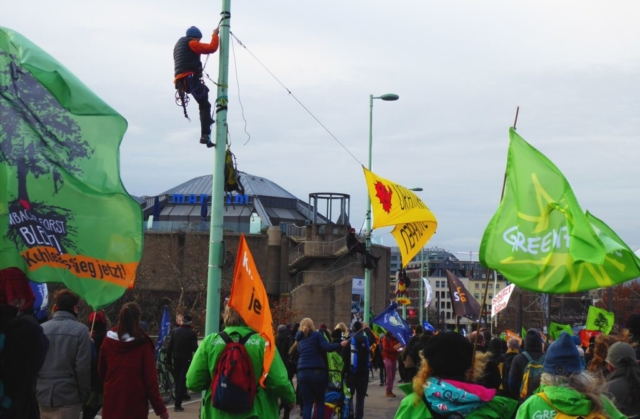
column 376, row 405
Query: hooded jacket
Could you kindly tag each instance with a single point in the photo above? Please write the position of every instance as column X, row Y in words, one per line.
column 619, row 388
column 128, row 370
column 566, row 400
column 265, row 404
column 532, row 345
column 65, row 377
column 472, row 401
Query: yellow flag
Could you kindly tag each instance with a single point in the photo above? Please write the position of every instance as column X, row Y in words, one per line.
column 249, row 298
column 394, row 204
column 412, row 237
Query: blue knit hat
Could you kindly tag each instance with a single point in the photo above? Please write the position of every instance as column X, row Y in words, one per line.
column 194, row 32
column 563, row 357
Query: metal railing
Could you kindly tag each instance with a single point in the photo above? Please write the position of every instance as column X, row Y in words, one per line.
column 312, row 277
column 316, row 249
column 296, row 231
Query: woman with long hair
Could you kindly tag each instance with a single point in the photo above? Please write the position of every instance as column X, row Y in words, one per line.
column 127, row 367
column 623, row 383
column 446, row 384
column 598, row 365
column 566, row 388
column 312, row 371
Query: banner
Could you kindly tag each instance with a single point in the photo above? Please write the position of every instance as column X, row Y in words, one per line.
column 500, row 301
column 427, row 327
column 428, row 292
column 556, row 329
column 357, row 301
column 165, row 329
column 65, row 214
column 41, row 303
column 249, row 298
column 586, row 335
column 464, row 305
column 600, row 319
column 394, row 204
column 412, row 237
column 391, row 321
column 511, row 334
column 541, row 240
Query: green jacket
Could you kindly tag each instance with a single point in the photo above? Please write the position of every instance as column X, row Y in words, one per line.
column 567, row 400
column 266, row 402
column 413, row 407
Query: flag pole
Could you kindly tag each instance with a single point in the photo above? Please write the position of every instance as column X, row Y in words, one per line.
column 214, row 273
column 486, row 286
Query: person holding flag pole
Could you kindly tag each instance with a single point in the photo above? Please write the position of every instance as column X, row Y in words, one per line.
column 246, row 312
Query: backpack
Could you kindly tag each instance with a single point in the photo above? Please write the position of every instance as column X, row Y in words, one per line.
column 560, row 415
column 5, row 401
column 359, row 354
column 531, row 376
column 234, row 385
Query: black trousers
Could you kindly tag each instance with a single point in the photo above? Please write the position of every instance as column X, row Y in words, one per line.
column 180, row 367
column 360, row 384
column 200, row 92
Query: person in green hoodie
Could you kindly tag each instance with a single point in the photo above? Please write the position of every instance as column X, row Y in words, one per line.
column 265, row 404
column 444, row 384
column 566, row 388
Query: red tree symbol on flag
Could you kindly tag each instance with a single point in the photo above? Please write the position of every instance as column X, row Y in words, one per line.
column 384, row 193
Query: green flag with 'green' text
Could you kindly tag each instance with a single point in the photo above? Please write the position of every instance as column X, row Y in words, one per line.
column 64, row 213
column 541, row 240
column 556, row 329
column 600, row 319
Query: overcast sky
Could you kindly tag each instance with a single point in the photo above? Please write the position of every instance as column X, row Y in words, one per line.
column 460, row 68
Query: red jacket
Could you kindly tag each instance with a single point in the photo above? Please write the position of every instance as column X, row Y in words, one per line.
column 388, row 350
column 128, row 370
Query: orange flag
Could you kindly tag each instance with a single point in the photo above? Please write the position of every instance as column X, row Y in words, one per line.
column 249, row 299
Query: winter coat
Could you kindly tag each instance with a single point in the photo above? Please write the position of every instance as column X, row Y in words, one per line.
column 265, row 404
column 312, row 349
column 25, row 349
column 476, row 401
column 65, row 377
column 128, row 370
column 284, row 340
column 533, row 345
column 566, row 400
column 491, row 377
column 619, row 387
column 506, row 369
column 183, row 343
column 388, row 348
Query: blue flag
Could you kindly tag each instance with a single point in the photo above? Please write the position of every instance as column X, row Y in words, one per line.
column 427, row 326
column 392, row 322
column 165, row 327
column 41, row 302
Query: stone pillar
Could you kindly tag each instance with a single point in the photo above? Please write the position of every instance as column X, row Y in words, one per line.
column 274, row 235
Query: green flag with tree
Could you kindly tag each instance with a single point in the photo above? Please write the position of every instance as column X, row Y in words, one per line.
column 541, row 240
column 555, row 329
column 65, row 213
column 600, row 319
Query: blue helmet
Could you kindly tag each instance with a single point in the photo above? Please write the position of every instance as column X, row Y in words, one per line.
column 194, row 32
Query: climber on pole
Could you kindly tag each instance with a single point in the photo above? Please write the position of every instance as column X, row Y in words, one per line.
column 188, row 77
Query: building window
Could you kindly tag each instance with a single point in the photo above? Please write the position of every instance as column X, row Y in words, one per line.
column 448, row 315
column 490, row 286
column 497, row 286
column 484, row 286
column 477, row 285
column 490, row 295
column 437, row 284
column 477, row 295
column 448, row 294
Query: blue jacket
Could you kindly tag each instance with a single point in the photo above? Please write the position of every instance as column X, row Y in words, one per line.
column 311, row 349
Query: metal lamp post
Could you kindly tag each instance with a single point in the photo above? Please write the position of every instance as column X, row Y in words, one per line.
column 367, row 270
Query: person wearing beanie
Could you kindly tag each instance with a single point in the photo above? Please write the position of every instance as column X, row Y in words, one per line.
column 532, row 348
column 188, row 77
column 633, row 326
column 566, row 387
column 183, row 343
column 623, row 383
column 446, row 383
column 513, row 349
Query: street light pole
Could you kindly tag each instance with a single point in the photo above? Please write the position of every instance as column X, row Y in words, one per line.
column 367, row 270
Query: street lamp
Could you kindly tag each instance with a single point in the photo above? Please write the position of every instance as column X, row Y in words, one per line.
column 367, row 271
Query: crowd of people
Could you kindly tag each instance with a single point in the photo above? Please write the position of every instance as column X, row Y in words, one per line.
column 65, row 368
